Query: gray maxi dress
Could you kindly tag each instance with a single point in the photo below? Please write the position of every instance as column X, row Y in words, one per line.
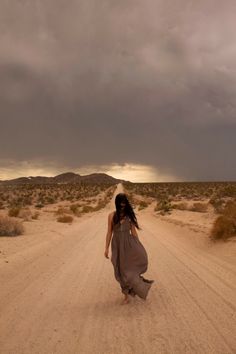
column 130, row 260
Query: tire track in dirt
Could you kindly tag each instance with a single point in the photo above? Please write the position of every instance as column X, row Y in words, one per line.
column 219, row 309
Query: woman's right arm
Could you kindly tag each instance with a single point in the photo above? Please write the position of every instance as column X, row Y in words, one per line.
column 109, row 230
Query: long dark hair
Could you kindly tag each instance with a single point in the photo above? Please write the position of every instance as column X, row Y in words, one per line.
column 128, row 210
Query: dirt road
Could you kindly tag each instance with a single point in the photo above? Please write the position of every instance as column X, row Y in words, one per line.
column 59, row 295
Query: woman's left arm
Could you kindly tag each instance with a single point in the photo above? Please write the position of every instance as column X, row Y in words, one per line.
column 133, row 230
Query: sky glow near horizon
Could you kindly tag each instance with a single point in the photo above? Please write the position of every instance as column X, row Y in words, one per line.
column 129, row 172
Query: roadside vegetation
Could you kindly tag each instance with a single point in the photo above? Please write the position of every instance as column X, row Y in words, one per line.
column 20, row 203
column 40, row 195
column 10, row 226
column 224, row 226
column 199, row 197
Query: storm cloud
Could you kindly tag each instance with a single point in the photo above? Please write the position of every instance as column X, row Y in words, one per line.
column 101, row 82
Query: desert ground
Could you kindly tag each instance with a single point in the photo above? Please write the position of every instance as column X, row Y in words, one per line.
column 59, row 295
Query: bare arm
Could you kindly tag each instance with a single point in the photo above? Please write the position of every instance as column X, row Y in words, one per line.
column 133, row 230
column 109, row 234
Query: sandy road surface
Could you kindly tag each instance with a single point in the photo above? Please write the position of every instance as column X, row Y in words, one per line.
column 58, row 293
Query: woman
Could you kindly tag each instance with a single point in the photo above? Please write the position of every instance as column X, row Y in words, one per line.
column 129, row 257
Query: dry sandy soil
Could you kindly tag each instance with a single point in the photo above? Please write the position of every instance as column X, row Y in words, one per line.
column 59, row 295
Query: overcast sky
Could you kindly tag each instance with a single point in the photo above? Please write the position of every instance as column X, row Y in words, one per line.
column 144, row 90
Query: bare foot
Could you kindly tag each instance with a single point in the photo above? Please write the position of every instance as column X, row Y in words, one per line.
column 125, row 300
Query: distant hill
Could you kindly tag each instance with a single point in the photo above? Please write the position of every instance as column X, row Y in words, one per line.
column 64, row 178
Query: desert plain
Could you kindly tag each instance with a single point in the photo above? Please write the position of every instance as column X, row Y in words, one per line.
column 58, row 293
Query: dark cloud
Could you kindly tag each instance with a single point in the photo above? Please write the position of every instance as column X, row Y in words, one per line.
column 140, row 82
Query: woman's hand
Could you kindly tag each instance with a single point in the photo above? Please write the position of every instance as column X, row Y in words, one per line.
column 106, row 253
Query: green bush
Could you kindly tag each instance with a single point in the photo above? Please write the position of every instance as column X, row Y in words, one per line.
column 164, row 206
column 142, row 205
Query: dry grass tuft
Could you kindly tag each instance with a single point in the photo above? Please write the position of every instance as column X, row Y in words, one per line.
column 65, row 218
column 180, row 206
column 199, row 207
column 163, row 206
column 142, row 205
column 9, row 226
column 62, row 211
column 224, row 226
column 25, row 214
column 74, row 208
column 217, row 203
column 35, row 215
column 87, row 209
column 39, row 205
column 14, row 212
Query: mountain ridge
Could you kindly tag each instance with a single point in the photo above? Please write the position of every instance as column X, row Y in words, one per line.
column 64, row 178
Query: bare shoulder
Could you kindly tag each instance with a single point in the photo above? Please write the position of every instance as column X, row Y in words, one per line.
column 110, row 215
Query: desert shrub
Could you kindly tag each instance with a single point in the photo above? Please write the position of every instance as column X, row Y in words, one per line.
column 142, row 205
column 74, row 208
column 25, row 214
column 180, row 206
column 223, row 228
column 27, row 201
column 14, row 212
column 62, row 211
column 35, row 215
column 230, row 209
column 87, row 209
column 101, row 204
column 225, row 225
column 228, row 191
column 50, row 200
column 164, row 206
column 199, row 207
column 217, row 203
column 69, row 197
column 65, row 218
column 39, row 205
column 97, row 207
column 187, row 190
column 9, row 226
